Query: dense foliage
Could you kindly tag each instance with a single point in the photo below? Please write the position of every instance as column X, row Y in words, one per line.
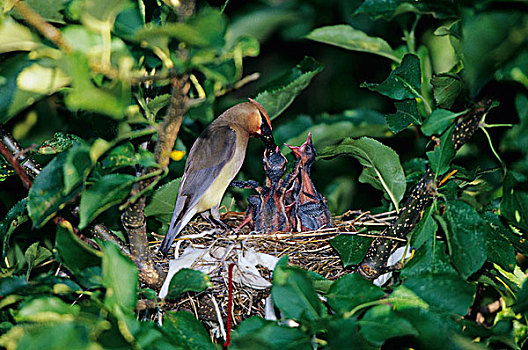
column 94, row 86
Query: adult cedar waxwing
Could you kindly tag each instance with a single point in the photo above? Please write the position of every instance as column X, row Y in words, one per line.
column 214, row 160
column 311, row 208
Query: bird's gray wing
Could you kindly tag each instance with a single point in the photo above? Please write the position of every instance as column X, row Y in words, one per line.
column 208, row 156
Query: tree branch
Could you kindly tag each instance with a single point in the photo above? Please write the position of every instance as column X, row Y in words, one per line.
column 421, row 197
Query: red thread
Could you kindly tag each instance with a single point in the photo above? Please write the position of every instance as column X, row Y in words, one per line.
column 229, row 306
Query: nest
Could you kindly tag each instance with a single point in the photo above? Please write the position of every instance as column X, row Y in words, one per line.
column 309, row 250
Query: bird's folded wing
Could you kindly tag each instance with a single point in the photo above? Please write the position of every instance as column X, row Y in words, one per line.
column 208, row 156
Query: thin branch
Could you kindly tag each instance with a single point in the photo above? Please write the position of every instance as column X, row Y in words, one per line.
column 26, row 180
column 46, row 29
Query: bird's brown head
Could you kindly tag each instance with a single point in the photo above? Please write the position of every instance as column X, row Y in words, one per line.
column 264, row 130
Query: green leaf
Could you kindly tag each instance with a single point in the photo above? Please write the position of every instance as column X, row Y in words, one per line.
column 516, row 138
column 120, row 277
column 403, row 298
column 47, row 309
column 35, row 255
column 425, row 230
column 481, row 58
column 406, row 115
column 349, row 38
column 101, row 15
column 403, row 83
column 12, row 98
column 351, row 291
column 74, row 253
column 77, row 166
column 387, row 9
column 111, row 99
column 382, row 165
column 186, row 331
column 438, row 122
column 261, row 334
column 16, row 37
column 293, row 293
column 522, row 299
column 446, row 292
column 430, row 258
column 381, row 323
column 50, row 10
column 467, row 237
column 15, row 217
column 446, row 88
column 123, row 155
column 206, row 29
column 163, row 201
column 343, row 333
column 188, row 280
column 12, row 284
column 351, row 248
column 108, row 191
column 498, row 244
column 441, row 156
column 46, row 197
column 514, row 204
column 280, row 93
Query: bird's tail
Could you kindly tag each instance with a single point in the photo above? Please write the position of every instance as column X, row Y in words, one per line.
column 176, row 227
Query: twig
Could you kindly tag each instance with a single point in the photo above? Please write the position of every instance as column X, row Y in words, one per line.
column 24, row 177
column 46, row 29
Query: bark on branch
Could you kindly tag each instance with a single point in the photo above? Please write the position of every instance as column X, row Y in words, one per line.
column 422, row 196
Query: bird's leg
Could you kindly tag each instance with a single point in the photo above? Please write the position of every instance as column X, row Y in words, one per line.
column 213, row 217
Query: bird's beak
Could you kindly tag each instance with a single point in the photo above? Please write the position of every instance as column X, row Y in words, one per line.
column 265, row 128
column 295, row 149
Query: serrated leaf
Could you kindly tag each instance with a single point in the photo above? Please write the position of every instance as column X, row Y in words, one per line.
column 382, row 165
column 347, row 37
column 293, row 293
column 381, row 323
column 163, row 201
column 263, row 334
column 403, row 83
column 438, row 121
column 351, row 291
column 406, row 115
column 446, row 88
column 387, row 9
column 280, row 93
column 46, row 197
column 187, row 280
column 441, row 156
column 16, row 216
column 446, row 292
column 186, row 331
column 120, row 277
column 351, row 248
column 467, row 237
column 499, row 247
column 108, row 191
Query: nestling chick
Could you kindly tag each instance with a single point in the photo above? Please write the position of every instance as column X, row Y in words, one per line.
column 214, row 160
column 310, row 208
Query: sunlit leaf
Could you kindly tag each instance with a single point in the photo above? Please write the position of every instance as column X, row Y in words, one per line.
column 280, row 93
column 347, row 37
column 16, row 37
column 120, row 277
column 382, row 168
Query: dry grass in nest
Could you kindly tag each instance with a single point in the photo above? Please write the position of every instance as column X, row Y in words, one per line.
column 309, row 250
